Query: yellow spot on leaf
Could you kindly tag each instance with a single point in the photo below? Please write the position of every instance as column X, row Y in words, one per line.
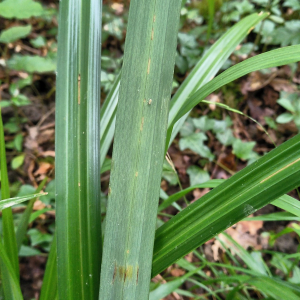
column 78, row 88
column 287, row 166
column 148, row 68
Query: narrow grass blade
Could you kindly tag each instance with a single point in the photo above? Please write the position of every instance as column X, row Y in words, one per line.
column 276, row 288
column 23, row 224
column 167, row 288
column 289, row 204
column 175, row 197
column 106, row 165
column 17, row 200
column 8, row 230
column 49, row 287
column 78, row 217
column 108, row 119
column 255, row 264
column 274, row 58
column 138, row 153
column 207, row 68
column 279, row 216
column 10, row 281
column 258, row 184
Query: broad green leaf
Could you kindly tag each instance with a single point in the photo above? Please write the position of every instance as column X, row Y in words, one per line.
column 28, row 251
column 242, row 149
column 286, row 103
column 17, row 161
column 197, row 175
column 269, row 59
column 138, row 154
column 31, row 64
column 77, row 162
column 14, row 33
column 38, row 42
column 284, row 118
column 204, row 123
column 37, row 237
column 20, row 9
column 294, row 4
column 239, row 196
column 195, row 143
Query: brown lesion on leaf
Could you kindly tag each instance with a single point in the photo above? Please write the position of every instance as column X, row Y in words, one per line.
column 152, row 34
column 115, row 272
column 109, row 191
column 123, row 273
column 154, row 18
column 136, row 174
column 137, row 275
column 78, row 88
column 128, row 273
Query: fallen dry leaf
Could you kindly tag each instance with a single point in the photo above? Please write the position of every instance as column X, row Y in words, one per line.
column 43, row 169
column 244, row 233
column 176, row 272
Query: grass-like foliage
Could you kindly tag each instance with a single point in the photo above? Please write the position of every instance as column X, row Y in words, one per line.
column 138, row 114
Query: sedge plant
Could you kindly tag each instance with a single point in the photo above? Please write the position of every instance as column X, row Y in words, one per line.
column 139, row 115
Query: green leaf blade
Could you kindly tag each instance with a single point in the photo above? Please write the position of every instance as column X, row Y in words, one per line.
column 255, row 186
column 77, row 146
column 274, row 58
column 14, row 33
column 138, row 154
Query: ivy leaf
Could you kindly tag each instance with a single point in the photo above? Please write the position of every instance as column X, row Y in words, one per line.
column 20, row 9
column 294, row 4
column 204, row 123
column 284, row 118
column 242, row 150
column 286, row 103
column 14, row 33
column 17, row 161
column 226, row 137
column 195, row 143
column 197, row 175
column 287, row 35
column 31, row 64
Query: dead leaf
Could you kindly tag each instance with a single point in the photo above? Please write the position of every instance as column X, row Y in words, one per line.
column 43, row 169
column 279, row 84
column 244, row 233
column 38, row 204
column 176, row 272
